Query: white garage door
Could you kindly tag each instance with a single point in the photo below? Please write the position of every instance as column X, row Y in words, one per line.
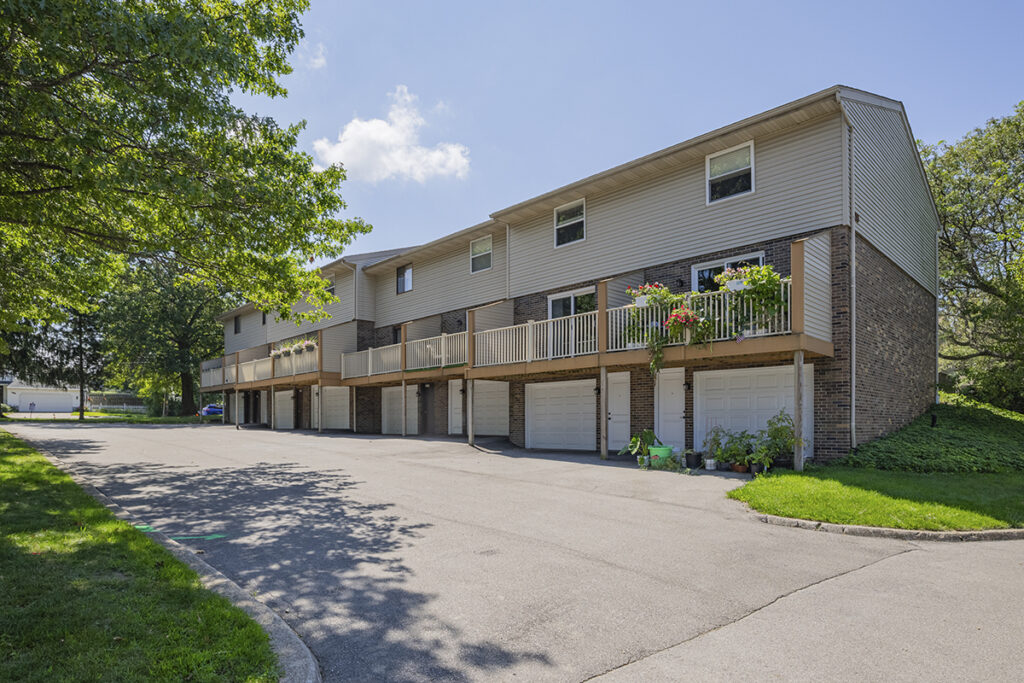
column 561, row 415
column 284, row 415
column 747, row 398
column 391, row 410
column 490, row 408
column 46, row 401
column 336, row 407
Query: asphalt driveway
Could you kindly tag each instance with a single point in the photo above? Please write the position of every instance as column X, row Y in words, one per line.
column 416, row 559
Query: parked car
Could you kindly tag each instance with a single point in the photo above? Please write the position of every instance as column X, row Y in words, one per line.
column 213, row 409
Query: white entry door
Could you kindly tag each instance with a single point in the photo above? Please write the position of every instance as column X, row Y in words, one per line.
column 618, row 410
column 284, row 410
column 561, row 415
column 746, row 398
column 391, row 410
column 490, row 408
column 336, row 407
column 670, row 407
column 455, row 406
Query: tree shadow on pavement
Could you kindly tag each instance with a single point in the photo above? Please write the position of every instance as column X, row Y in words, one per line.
column 330, row 565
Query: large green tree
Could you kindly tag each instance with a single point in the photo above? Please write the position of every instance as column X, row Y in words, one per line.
column 159, row 326
column 978, row 185
column 118, row 141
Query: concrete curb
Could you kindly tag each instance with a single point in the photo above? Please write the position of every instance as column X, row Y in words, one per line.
column 295, row 659
column 901, row 534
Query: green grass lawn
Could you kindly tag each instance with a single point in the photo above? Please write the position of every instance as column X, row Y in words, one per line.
column 965, row 473
column 86, row 596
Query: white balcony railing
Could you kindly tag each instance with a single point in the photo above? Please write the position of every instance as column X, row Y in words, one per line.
column 212, row 377
column 295, row 364
column 574, row 335
column 385, row 359
column 247, row 371
column 263, row 368
column 230, row 372
column 630, row 327
column 436, row 352
column 355, row 364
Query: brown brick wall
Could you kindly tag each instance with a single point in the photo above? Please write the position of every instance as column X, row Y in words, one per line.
column 641, row 399
column 365, row 335
column 453, row 321
column 368, row 410
column 896, row 353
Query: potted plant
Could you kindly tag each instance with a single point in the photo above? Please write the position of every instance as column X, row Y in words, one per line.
column 733, row 279
column 713, row 442
column 640, row 446
column 648, row 294
column 309, row 344
column 692, row 459
column 737, row 449
column 777, row 439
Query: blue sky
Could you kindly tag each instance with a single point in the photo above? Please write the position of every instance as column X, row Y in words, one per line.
column 446, row 111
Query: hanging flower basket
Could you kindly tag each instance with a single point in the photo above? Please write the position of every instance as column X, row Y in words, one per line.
column 737, row 285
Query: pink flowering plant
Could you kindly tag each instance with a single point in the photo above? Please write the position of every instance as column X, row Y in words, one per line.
column 730, row 274
column 656, row 293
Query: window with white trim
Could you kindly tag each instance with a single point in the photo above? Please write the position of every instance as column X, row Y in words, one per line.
column 238, row 324
column 703, row 274
column 480, row 254
column 330, row 285
column 403, row 279
column 570, row 223
column 730, row 173
column 570, row 303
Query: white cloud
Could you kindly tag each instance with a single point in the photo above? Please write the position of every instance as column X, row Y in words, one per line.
column 319, row 58
column 379, row 149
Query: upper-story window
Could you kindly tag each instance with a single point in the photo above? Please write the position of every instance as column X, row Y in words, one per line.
column 480, row 254
column 403, row 279
column 703, row 274
column 730, row 173
column 330, row 286
column 264, row 319
column 570, row 223
column 238, row 324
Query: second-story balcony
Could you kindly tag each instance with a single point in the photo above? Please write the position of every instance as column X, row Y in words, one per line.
column 729, row 317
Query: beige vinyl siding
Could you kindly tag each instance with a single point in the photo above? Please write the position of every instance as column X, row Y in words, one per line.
column 366, row 296
column 492, row 317
column 442, row 284
column 338, row 339
column 798, row 180
column 340, row 312
column 890, row 194
column 253, row 332
column 617, row 295
column 818, row 286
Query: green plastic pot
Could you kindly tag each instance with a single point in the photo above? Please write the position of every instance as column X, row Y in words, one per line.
column 660, row 451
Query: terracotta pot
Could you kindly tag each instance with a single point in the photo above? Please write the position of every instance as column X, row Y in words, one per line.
column 736, row 467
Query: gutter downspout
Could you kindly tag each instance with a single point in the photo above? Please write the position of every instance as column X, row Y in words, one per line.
column 508, row 260
column 853, row 280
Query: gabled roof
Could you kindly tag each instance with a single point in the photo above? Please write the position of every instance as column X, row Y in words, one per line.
column 671, row 158
column 435, row 248
column 353, row 260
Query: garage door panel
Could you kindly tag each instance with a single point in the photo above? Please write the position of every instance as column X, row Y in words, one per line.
column 336, row 407
column 490, row 408
column 747, row 398
column 561, row 415
column 284, row 415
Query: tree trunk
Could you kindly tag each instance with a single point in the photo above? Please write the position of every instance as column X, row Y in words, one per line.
column 188, row 395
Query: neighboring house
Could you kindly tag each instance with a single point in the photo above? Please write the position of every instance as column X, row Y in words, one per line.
column 21, row 396
column 517, row 326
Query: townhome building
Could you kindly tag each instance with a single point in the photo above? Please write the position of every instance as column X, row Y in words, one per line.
column 521, row 326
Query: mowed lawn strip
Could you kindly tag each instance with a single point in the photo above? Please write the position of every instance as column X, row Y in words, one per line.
column 122, row 418
column 965, row 473
column 88, row 597
column 900, row 500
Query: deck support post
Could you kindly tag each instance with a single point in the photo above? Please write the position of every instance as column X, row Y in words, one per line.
column 272, row 407
column 404, row 407
column 603, row 400
column 320, row 406
column 237, row 402
column 798, row 410
column 470, row 431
